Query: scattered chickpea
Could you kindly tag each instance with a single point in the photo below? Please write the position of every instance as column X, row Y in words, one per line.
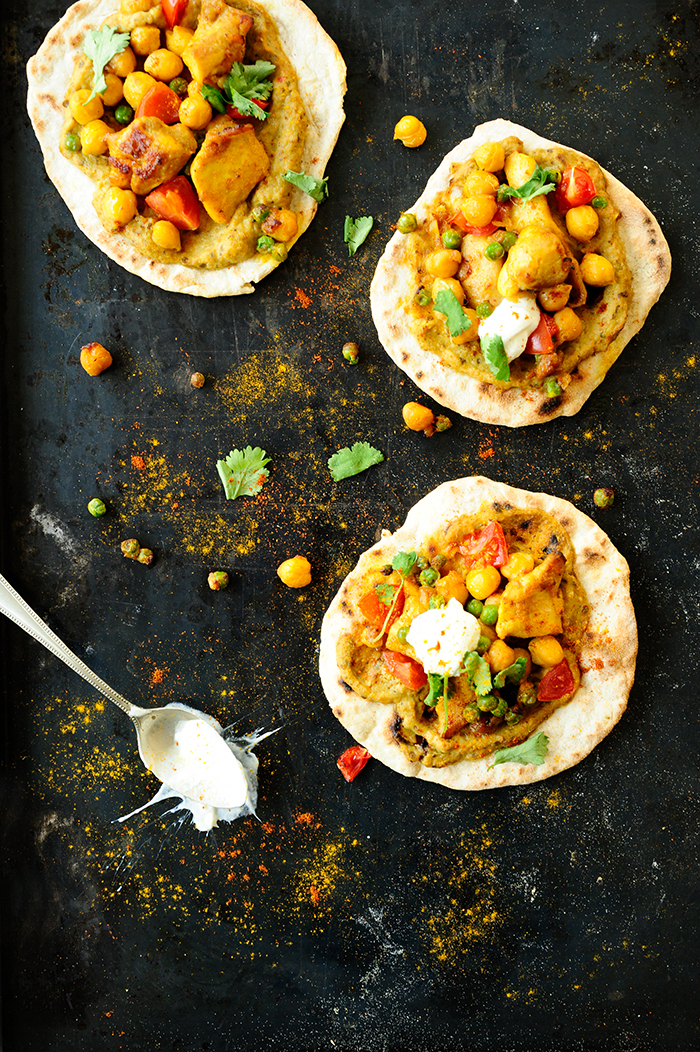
column 351, row 353
column 490, row 157
column 114, row 92
column 95, row 358
column 418, row 417
column 442, row 423
column 163, row 64
column 145, row 39
column 122, row 64
column 135, row 87
column 597, row 270
column 119, row 205
column 295, row 572
column 410, row 131
column 93, row 138
column 604, row 497
column 197, row 380
column 218, row 580
column 97, row 508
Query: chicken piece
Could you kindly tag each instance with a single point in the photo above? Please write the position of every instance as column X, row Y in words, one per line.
column 450, row 714
column 230, row 163
column 219, row 41
column 150, row 152
column 477, row 273
column 538, row 259
column 364, row 669
column 531, row 604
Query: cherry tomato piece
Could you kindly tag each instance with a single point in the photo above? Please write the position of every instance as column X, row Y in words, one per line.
column 556, row 683
column 487, row 545
column 408, row 671
column 540, row 339
column 576, row 188
column 352, row 761
column 173, row 10
column 177, row 202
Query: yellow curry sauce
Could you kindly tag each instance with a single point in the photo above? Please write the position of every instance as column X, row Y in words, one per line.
column 481, row 283
column 536, row 593
column 269, row 147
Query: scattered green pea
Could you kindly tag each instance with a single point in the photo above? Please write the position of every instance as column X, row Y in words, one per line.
column 124, row 114
column 438, row 561
column 218, row 580
column 72, row 142
column 451, row 238
column 145, row 556
column 489, row 615
column 421, row 562
column 509, row 239
column 513, row 717
column 483, row 645
column 471, row 713
column 474, row 607
column 488, row 703
column 501, row 708
column 428, row 576
column 604, row 497
column 442, row 423
column 351, row 353
column 401, row 633
column 97, row 507
column 494, row 250
column 436, row 602
column 600, row 202
column 484, row 310
column 553, row 387
column 527, row 695
column 407, row 223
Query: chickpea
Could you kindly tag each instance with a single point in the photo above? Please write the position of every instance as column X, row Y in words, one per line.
column 296, row 572
column 444, row 262
column 597, row 270
column 282, row 224
column 582, row 222
column 195, row 112
column 500, row 655
column 568, row 324
column 163, row 64
column 478, row 183
column 449, row 285
column 546, row 651
column 114, row 91
column 177, row 39
column 518, row 168
column 519, row 563
column 472, row 333
column 135, row 87
column 93, row 138
column 95, row 358
column 506, row 285
column 490, row 156
column 479, row 210
column 554, row 298
column 166, row 235
column 410, row 131
column 83, row 111
column 482, row 581
column 417, row 417
column 452, row 586
column 145, row 39
column 218, row 580
column 122, row 64
column 119, row 205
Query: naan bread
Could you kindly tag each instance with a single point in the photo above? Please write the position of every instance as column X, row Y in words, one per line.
column 321, row 78
column 607, row 657
column 395, row 283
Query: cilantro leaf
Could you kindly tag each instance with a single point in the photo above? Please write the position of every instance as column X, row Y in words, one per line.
column 404, row 562
column 385, row 593
column 542, row 181
column 100, row 46
column 216, row 99
column 316, row 188
column 435, row 685
column 495, row 356
column 243, row 472
column 242, row 87
column 447, row 303
column 478, row 673
column 513, row 674
column 533, row 751
column 356, row 231
column 353, row 460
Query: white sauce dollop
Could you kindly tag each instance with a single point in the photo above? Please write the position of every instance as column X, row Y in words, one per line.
column 513, row 321
column 443, row 636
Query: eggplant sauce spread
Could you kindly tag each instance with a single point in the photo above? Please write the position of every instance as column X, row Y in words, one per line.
column 506, row 578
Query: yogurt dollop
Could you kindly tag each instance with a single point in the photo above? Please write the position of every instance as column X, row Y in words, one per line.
column 442, row 637
column 513, row 321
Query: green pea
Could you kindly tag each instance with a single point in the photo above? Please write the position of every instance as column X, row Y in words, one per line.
column 72, row 142
column 436, row 602
column 351, row 354
column 508, row 240
column 279, row 251
column 600, row 202
column 501, row 708
column 604, row 497
column 124, row 114
column 421, row 562
column 484, row 310
column 97, row 507
column 437, row 562
column 513, row 717
column 428, row 576
column 179, row 86
column 527, row 695
column 423, row 298
column 407, row 223
column 471, row 713
column 130, row 548
column 489, row 615
column 475, row 606
column 554, row 175
column 265, row 243
column 401, row 633
column 488, row 703
column 451, row 238
column 483, row 645
column 217, row 580
column 259, row 213
column 494, row 250
column 553, row 388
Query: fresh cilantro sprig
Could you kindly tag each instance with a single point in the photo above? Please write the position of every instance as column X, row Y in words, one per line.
column 542, row 181
column 243, row 472
column 532, row 751
column 242, row 87
column 385, row 593
column 435, row 685
column 356, row 231
column 353, row 460
column 494, row 353
column 101, row 46
column 316, row 188
column 513, row 674
column 403, row 563
column 478, row 673
column 447, row 303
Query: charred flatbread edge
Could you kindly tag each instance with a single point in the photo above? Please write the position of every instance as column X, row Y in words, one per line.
column 607, row 657
column 321, row 75
column 394, row 284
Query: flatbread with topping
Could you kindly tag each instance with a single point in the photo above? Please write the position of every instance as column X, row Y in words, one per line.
column 547, row 659
column 232, row 164
column 520, row 240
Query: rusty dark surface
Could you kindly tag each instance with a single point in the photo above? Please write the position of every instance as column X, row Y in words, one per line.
column 380, row 915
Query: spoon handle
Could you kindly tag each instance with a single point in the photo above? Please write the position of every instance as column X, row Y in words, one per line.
column 22, row 614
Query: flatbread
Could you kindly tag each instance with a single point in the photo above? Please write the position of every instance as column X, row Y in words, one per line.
column 320, row 73
column 607, row 657
column 395, row 284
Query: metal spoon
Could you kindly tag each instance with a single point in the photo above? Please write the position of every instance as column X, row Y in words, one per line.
column 181, row 748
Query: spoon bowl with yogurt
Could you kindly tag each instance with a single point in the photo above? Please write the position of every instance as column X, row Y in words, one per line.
column 181, row 747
